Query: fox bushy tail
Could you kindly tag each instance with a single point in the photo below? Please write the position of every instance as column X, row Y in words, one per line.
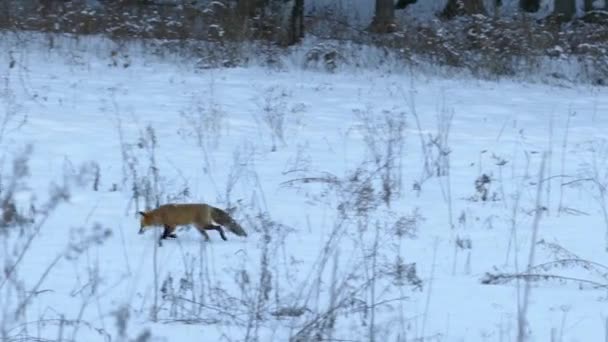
column 225, row 220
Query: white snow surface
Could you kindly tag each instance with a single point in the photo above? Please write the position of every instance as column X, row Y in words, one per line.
column 76, row 108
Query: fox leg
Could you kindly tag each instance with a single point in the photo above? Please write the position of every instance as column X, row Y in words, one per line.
column 219, row 229
column 202, row 230
column 169, row 232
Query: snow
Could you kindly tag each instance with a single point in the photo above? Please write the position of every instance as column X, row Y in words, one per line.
column 253, row 130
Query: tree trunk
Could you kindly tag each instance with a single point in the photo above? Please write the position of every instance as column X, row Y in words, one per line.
column 529, row 5
column 281, row 21
column 463, row 7
column 564, row 10
column 589, row 5
column 248, row 8
column 296, row 23
column 384, row 17
column 401, row 4
column 289, row 14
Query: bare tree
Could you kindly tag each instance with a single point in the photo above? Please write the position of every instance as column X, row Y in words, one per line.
column 248, row 8
column 401, row 4
column 529, row 5
column 268, row 15
column 9, row 13
column 564, row 10
column 296, row 23
column 592, row 5
column 456, row 8
column 384, row 17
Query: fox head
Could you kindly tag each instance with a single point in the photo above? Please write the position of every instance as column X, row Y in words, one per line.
column 145, row 221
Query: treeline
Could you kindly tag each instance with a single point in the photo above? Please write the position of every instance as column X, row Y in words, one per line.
column 469, row 34
column 164, row 19
column 283, row 21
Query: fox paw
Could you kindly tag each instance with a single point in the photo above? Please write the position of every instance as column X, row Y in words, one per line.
column 173, row 236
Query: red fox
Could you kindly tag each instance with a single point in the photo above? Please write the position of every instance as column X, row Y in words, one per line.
column 202, row 215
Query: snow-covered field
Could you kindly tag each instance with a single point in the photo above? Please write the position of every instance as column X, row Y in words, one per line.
column 358, row 191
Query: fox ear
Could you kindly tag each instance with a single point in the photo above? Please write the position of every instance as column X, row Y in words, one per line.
column 143, row 214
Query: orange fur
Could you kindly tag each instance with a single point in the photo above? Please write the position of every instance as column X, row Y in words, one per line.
column 201, row 215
